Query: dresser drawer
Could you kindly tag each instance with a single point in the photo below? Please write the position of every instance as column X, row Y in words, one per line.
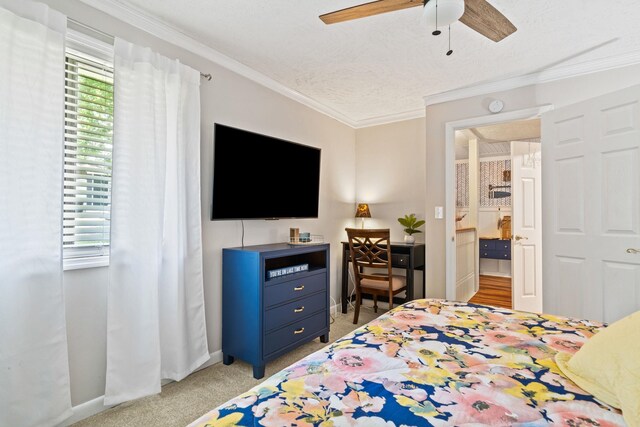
column 503, row 245
column 294, row 289
column 487, row 245
column 290, row 334
column 495, row 254
column 484, row 253
column 293, row 311
column 399, row 260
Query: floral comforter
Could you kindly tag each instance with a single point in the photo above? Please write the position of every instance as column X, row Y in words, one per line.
column 430, row 362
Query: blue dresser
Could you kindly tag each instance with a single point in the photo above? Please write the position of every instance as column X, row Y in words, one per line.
column 263, row 317
column 495, row 248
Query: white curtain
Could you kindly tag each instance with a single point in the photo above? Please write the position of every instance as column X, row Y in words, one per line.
column 155, row 315
column 34, row 370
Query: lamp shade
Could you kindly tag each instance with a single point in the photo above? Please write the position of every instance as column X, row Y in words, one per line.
column 448, row 12
column 363, row 211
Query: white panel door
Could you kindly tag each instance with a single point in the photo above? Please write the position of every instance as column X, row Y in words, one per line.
column 526, row 222
column 591, row 200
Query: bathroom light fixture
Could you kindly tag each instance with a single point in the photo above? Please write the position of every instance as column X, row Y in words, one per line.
column 493, row 194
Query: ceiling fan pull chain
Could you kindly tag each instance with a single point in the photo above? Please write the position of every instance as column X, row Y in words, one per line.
column 437, row 32
column 449, row 52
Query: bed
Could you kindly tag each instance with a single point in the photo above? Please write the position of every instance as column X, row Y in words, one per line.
column 431, row 362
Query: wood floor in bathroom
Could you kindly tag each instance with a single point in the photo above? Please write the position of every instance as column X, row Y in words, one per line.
column 494, row 291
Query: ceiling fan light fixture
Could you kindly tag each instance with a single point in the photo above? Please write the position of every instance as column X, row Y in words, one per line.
column 441, row 13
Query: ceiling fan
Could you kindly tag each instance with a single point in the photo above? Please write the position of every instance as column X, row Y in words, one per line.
column 478, row 15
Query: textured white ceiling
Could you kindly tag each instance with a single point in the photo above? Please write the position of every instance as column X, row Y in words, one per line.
column 511, row 131
column 495, row 140
column 384, row 65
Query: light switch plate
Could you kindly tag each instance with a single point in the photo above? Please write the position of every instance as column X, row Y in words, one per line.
column 439, row 212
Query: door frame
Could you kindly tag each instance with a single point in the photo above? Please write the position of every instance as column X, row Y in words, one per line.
column 450, row 177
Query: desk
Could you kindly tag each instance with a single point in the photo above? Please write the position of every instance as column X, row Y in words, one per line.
column 409, row 256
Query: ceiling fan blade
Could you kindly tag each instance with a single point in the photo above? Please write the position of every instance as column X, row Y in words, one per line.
column 480, row 16
column 368, row 9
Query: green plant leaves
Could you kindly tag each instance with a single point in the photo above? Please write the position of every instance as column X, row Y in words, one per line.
column 411, row 224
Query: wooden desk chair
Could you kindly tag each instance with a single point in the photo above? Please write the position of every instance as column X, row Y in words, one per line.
column 370, row 249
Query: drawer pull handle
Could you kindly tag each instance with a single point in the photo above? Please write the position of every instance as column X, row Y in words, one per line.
column 298, row 331
column 298, row 288
column 633, row 251
column 298, row 310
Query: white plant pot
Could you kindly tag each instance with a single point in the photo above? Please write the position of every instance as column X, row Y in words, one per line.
column 409, row 239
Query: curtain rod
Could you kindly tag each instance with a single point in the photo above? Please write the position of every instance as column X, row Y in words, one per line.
column 110, row 38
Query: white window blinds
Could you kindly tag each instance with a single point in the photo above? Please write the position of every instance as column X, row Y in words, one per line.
column 88, row 145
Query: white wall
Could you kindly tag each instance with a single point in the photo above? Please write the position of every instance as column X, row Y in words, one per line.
column 390, row 173
column 390, row 176
column 235, row 101
column 559, row 93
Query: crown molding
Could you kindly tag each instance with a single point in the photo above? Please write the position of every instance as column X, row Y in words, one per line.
column 390, row 118
column 133, row 16
column 545, row 76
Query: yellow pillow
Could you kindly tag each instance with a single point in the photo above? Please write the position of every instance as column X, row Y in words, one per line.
column 608, row 366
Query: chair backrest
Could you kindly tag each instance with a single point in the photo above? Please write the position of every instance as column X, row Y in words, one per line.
column 370, row 249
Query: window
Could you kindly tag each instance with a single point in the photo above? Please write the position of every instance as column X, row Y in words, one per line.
column 88, row 145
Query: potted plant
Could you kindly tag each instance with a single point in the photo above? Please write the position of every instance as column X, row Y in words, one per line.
column 411, row 225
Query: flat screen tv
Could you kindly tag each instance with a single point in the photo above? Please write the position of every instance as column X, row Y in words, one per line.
column 261, row 177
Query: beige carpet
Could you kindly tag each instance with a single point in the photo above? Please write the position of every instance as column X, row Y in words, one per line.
column 182, row 402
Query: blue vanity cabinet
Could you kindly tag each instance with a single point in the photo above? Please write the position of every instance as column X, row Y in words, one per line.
column 495, row 248
column 263, row 317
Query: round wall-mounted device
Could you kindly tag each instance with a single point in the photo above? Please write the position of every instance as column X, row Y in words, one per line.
column 496, row 106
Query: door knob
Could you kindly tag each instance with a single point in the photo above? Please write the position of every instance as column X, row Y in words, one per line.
column 518, row 238
column 633, row 251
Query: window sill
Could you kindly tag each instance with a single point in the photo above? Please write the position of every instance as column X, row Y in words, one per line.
column 85, row 262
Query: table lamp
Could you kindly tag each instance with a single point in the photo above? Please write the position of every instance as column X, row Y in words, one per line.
column 363, row 212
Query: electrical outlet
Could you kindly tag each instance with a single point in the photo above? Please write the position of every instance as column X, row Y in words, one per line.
column 439, row 212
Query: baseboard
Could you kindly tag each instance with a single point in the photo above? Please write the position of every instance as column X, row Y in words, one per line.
column 334, row 310
column 215, row 357
column 496, row 274
column 95, row 406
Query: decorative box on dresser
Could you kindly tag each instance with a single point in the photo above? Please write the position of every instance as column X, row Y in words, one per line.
column 263, row 317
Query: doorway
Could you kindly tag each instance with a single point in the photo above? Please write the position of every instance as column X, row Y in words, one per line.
column 481, row 192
